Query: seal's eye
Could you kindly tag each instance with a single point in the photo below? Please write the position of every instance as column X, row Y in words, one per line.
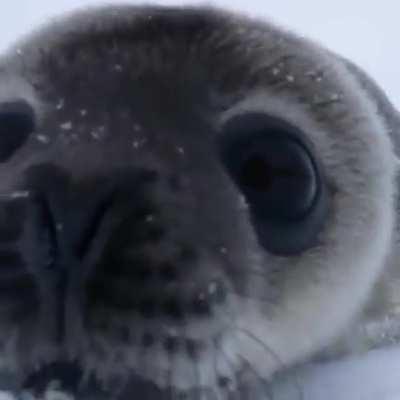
column 17, row 122
column 275, row 170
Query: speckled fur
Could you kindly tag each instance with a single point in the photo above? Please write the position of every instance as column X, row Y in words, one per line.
column 131, row 87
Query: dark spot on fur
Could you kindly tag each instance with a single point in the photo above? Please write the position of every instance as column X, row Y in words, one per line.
column 148, row 340
column 201, row 306
column 193, row 348
column 171, row 344
column 223, row 381
column 125, row 334
column 187, row 253
column 168, row 272
column 143, row 273
column 174, row 308
column 148, row 308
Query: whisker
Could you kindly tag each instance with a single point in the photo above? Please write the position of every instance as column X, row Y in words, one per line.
column 248, row 270
column 250, row 297
column 198, row 383
column 233, row 392
column 216, row 374
column 266, row 348
column 172, row 395
column 260, row 379
column 262, row 344
column 191, row 361
column 271, row 352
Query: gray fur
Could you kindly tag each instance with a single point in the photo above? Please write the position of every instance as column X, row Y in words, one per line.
column 126, row 89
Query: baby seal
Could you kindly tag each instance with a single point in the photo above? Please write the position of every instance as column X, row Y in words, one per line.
column 192, row 201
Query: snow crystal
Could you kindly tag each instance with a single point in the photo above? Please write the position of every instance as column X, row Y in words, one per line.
column 60, row 104
column 223, row 250
column 180, row 150
column 137, row 127
column 334, row 97
column 326, row 100
column 66, row 126
column 212, row 287
column 290, row 78
column 95, row 135
column 315, row 75
column 99, row 133
column 42, row 138
column 243, row 204
column 83, row 112
column 149, row 218
column 59, row 227
column 138, row 143
column 275, row 71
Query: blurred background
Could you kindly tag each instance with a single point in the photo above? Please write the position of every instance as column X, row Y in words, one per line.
column 367, row 32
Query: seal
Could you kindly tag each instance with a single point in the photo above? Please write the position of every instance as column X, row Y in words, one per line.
column 192, row 201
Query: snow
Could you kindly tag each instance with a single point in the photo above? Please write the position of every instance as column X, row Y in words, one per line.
column 373, row 376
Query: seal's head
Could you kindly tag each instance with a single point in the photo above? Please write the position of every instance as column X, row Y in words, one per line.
column 189, row 199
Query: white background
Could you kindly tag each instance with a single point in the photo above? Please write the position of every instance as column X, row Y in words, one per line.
column 366, row 31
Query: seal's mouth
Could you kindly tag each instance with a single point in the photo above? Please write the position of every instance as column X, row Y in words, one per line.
column 68, row 376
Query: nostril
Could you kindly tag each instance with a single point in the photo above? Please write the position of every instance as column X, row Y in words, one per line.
column 92, row 226
column 79, row 209
column 46, row 230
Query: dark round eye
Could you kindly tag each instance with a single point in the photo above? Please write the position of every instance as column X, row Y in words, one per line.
column 17, row 122
column 273, row 166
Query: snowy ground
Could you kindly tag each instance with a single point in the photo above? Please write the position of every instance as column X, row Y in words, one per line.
column 375, row 376
column 366, row 32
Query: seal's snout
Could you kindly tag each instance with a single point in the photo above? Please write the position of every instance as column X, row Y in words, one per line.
column 109, row 241
column 67, row 374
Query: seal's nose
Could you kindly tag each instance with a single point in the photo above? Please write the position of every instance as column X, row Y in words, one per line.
column 70, row 214
column 66, row 215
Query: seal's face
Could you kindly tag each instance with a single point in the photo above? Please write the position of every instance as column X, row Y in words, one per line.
column 184, row 196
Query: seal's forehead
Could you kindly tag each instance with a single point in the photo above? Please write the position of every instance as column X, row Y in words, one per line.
column 207, row 45
column 181, row 58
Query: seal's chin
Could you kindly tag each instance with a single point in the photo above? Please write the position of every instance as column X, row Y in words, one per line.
column 68, row 376
column 67, row 379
